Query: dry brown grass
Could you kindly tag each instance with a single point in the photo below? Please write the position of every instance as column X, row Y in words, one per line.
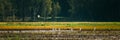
column 58, row 27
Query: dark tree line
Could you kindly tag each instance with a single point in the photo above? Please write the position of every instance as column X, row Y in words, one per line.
column 70, row 10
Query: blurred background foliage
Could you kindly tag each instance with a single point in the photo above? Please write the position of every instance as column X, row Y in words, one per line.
column 59, row 10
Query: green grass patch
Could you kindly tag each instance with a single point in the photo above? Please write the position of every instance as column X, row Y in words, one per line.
column 60, row 24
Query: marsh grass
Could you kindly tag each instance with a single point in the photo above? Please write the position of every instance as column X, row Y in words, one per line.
column 77, row 25
column 60, row 24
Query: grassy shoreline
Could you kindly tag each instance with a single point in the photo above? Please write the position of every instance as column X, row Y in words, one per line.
column 61, row 25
